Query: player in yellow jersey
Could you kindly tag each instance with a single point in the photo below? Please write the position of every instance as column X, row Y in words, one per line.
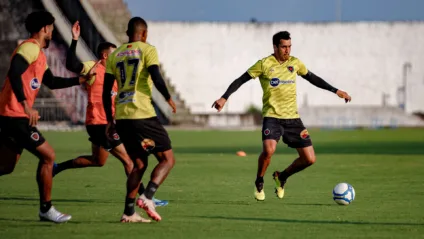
column 135, row 66
column 277, row 75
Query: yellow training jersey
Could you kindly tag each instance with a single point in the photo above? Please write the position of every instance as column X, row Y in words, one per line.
column 129, row 63
column 278, row 83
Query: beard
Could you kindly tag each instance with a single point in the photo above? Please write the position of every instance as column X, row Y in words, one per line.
column 47, row 43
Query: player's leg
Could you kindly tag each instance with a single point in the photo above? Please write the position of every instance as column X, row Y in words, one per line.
column 97, row 159
column 10, row 150
column 155, row 140
column 295, row 136
column 133, row 183
column 131, row 144
column 9, row 158
column 99, row 151
column 271, row 134
column 46, row 155
column 121, row 154
column 157, row 177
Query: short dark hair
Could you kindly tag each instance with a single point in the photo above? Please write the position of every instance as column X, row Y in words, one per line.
column 134, row 23
column 37, row 20
column 284, row 35
column 104, row 46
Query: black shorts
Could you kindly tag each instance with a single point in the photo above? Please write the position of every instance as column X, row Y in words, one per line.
column 293, row 132
column 98, row 137
column 17, row 134
column 143, row 136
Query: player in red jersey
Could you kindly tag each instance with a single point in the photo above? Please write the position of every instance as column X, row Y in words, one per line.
column 18, row 120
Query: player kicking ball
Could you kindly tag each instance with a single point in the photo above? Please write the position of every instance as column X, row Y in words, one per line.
column 95, row 115
column 277, row 75
column 18, row 120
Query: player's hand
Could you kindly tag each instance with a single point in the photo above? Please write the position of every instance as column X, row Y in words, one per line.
column 90, row 74
column 171, row 103
column 76, row 30
column 344, row 95
column 219, row 104
column 110, row 130
column 33, row 116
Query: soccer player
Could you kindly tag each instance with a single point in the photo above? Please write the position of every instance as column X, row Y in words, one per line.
column 95, row 115
column 135, row 66
column 277, row 75
column 18, row 120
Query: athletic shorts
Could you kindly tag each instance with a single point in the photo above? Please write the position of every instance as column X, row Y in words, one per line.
column 143, row 136
column 98, row 137
column 17, row 134
column 294, row 133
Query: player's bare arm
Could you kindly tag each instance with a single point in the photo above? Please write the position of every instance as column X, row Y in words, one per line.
column 219, row 104
column 320, row 83
column 161, row 86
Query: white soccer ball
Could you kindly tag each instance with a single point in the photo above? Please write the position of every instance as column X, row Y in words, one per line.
column 343, row 194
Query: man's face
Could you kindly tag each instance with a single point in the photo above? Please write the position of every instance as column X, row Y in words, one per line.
column 283, row 49
column 48, row 34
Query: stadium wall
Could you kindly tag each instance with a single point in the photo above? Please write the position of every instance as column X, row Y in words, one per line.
column 369, row 60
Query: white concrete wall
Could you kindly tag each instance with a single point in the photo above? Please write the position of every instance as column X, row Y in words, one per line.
column 365, row 59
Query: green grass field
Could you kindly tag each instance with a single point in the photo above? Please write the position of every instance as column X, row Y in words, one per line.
column 211, row 190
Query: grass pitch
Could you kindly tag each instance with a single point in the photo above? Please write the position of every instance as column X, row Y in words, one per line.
column 211, row 190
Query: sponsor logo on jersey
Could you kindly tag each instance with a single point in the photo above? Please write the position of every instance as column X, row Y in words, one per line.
column 274, row 82
column 35, row 84
column 135, row 52
column 124, row 94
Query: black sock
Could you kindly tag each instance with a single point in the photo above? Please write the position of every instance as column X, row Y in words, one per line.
column 129, row 206
column 141, row 189
column 150, row 190
column 283, row 176
column 45, row 206
column 259, row 180
column 65, row 165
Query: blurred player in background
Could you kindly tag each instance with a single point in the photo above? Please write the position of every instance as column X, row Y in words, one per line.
column 18, row 120
column 277, row 75
column 96, row 120
column 135, row 66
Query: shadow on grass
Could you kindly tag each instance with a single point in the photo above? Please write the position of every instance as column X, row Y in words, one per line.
column 374, row 148
column 38, row 223
column 30, row 199
column 281, row 220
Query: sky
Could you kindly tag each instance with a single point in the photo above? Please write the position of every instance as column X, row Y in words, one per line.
column 278, row 10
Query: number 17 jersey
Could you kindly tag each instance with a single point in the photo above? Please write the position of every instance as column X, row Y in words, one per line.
column 129, row 63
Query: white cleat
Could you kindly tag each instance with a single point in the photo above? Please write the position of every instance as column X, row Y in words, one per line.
column 53, row 215
column 134, row 218
column 149, row 206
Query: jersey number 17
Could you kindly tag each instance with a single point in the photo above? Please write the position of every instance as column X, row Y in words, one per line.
column 122, row 69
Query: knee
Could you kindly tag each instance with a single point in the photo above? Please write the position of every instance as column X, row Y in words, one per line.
column 140, row 165
column 268, row 152
column 49, row 157
column 171, row 161
column 309, row 160
column 99, row 162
